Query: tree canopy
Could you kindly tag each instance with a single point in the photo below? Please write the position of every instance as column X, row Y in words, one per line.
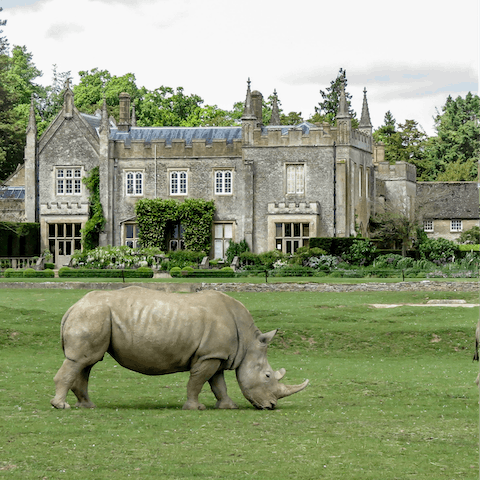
column 327, row 110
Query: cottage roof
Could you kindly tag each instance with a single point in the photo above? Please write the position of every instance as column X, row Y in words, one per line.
column 448, row 200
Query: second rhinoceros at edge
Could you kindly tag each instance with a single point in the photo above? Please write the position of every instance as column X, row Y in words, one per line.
column 157, row 333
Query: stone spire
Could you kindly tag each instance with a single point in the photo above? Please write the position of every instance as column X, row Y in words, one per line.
column 30, row 157
column 134, row 118
column 365, row 124
column 32, row 122
column 249, row 120
column 248, row 111
column 275, row 118
column 105, row 124
column 342, row 106
column 344, row 120
column 68, row 103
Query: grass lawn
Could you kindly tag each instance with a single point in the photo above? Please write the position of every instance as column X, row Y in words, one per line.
column 392, row 396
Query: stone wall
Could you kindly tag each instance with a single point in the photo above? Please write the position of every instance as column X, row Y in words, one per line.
column 422, row 286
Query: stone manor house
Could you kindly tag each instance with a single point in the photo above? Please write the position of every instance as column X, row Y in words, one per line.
column 275, row 186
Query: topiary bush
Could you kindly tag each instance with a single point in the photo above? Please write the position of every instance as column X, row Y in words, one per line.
column 12, row 273
column 175, row 271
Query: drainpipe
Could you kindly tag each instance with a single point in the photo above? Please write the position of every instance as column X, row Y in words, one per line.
column 334, row 189
column 115, row 165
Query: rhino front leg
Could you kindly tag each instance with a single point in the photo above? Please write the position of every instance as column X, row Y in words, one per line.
column 200, row 373
column 219, row 389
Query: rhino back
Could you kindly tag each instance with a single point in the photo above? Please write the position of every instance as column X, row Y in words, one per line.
column 157, row 333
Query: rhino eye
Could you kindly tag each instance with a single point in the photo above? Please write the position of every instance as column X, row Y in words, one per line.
column 267, row 375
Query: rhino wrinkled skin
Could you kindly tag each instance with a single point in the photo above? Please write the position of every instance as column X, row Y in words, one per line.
column 157, row 333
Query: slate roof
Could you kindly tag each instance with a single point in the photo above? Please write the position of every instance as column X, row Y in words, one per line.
column 305, row 127
column 448, row 200
column 17, row 193
column 93, row 120
column 178, row 133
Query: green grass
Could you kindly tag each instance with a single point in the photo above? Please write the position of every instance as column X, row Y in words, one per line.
column 392, row 396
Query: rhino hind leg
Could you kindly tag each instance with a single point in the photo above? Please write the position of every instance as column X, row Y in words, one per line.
column 219, row 389
column 200, row 373
column 64, row 379
column 80, row 388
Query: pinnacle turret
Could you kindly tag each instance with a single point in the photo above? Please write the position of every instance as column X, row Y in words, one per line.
column 32, row 122
column 275, row 118
column 365, row 124
column 248, row 112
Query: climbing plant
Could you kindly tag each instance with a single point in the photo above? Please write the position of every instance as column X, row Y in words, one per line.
column 96, row 221
column 155, row 216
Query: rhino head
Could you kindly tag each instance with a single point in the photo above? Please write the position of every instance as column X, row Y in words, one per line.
column 258, row 382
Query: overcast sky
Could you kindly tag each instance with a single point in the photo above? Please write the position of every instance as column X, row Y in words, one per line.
column 409, row 55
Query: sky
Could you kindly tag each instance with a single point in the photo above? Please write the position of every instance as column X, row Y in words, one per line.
column 410, row 56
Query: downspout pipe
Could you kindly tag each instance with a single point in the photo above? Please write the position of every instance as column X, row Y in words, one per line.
column 334, row 189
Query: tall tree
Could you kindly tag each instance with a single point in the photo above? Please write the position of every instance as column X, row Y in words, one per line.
column 327, row 110
column 453, row 153
column 389, row 136
column 17, row 79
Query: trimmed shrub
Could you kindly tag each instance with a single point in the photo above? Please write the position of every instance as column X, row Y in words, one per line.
column 49, row 266
column 184, row 258
column 31, row 273
column 12, row 273
column 142, row 272
column 186, row 271
column 175, row 271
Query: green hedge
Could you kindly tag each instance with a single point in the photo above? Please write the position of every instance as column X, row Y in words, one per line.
column 12, row 273
column 31, row 273
column 28, row 273
column 142, row 272
column 334, row 245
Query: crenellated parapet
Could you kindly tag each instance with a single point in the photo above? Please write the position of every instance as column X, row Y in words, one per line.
column 176, row 148
column 398, row 171
column 361, row 140
column 64, row 208
column 288, row 136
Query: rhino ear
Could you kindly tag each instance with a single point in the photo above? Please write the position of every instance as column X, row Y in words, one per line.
column 266, row 338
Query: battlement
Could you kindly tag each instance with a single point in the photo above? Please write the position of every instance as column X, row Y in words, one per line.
column 398, row 171
column 142, row 148
column 300, row 208
column 283, row 136
column 64, row 208
column 361, row 140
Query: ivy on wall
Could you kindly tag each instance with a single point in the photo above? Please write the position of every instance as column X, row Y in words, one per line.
column 96, row 221
column 156, row 216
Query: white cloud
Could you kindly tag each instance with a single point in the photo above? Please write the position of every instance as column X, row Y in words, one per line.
column 409, row 57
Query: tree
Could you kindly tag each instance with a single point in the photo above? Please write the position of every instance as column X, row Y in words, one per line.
column 17, row 84
column 453, row 154
column 327, row 109
column 471, row 236
column 394, row 227
column 390, row 137
column 96, row 84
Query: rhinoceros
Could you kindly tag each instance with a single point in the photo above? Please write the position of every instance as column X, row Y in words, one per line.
column 157, row 333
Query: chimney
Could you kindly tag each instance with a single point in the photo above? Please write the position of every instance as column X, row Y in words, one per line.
column 124, row 123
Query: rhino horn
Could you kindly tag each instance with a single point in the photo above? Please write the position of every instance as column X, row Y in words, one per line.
column 279, row 374
column 286, row 390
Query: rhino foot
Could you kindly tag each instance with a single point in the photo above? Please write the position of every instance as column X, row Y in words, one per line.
column 59, row 405
column 226, row 404
column 192, row 405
